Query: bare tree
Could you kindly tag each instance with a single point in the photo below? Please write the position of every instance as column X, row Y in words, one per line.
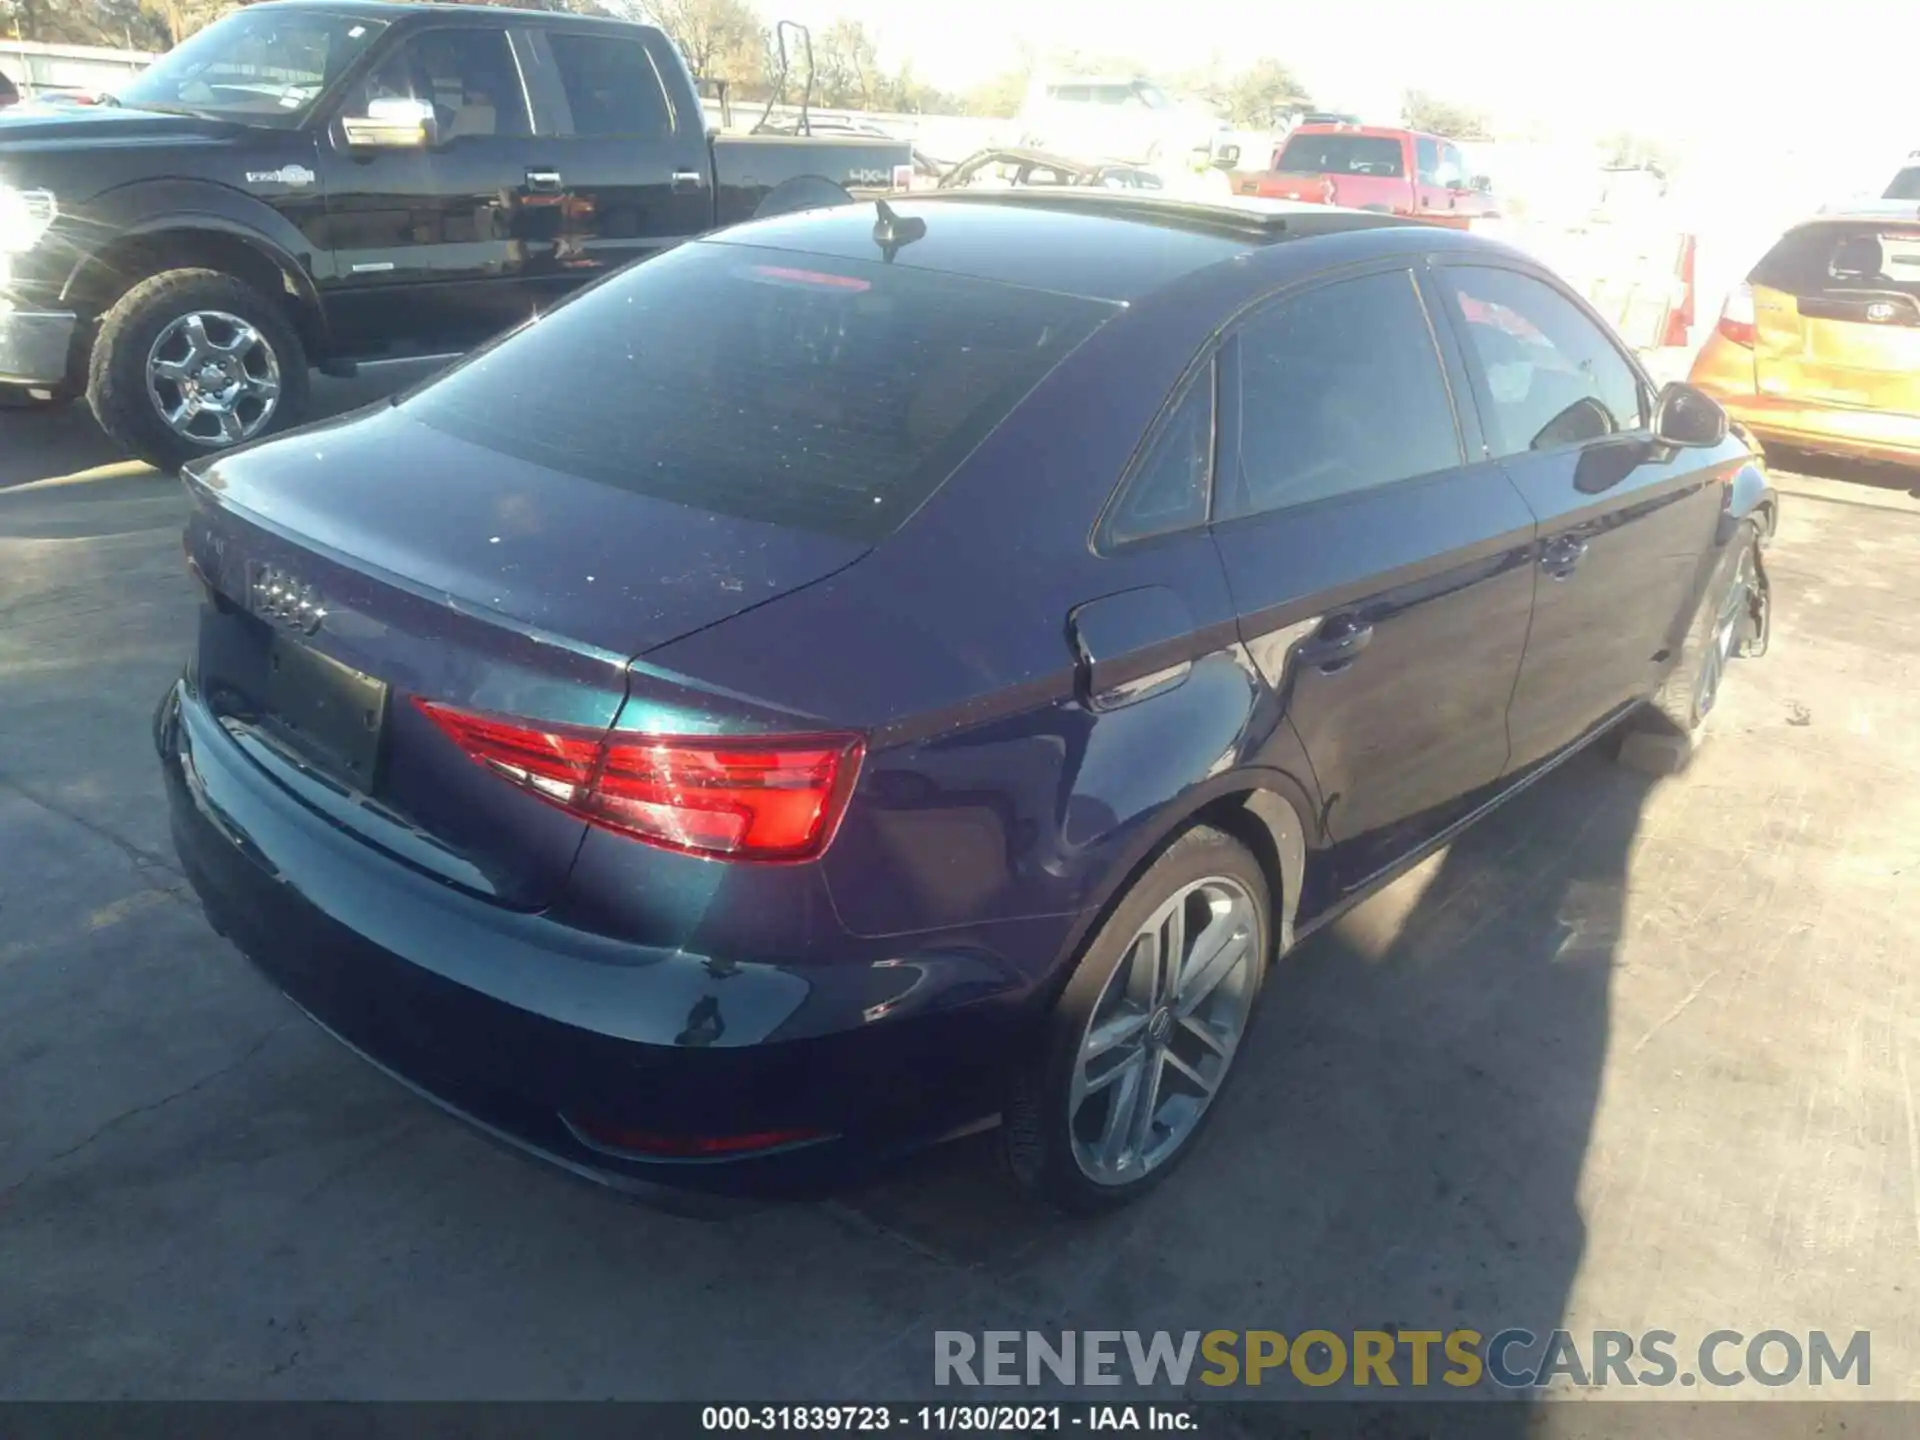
column 846, row 66
column 721, row 39
column 1422, row 111
column 1256, row 96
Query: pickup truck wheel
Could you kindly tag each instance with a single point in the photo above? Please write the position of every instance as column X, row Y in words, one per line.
column 190, row 362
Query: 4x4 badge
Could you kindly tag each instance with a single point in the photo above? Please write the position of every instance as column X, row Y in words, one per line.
column 285, row 175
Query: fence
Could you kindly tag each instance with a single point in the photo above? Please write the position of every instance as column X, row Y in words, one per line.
column 41, row 69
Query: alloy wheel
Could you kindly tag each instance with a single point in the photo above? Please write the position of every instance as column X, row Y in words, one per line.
column 1727, row 626
column 1165, row 1031
column 214, row 378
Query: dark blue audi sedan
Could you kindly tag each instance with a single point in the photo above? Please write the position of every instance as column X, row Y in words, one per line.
column 878, row 671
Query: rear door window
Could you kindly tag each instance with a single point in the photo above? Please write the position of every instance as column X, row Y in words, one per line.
column 825, row 394
column 1341, row 390
column 1170, row 489
column 611, row 86
column 1551, row 376
column 1343, row 155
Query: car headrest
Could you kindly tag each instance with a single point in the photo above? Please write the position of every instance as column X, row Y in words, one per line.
column 1857, row 255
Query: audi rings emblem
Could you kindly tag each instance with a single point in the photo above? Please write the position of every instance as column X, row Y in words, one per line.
column 284, row 599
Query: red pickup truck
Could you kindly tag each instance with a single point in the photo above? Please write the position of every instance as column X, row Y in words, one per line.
column 1366, row 167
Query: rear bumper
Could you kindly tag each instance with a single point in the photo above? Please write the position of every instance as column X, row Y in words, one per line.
column 35, row 345
column 1835, row 430
column 528, row 1029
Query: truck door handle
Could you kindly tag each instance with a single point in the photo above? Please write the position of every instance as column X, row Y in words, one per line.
column 688, row 180
column 1562, row 556
column 544, row 182
column 1337, row 647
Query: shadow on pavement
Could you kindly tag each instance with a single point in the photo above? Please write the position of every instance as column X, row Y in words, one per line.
column 1872, row 475
column 1403, row 1146
column 1401, row 1150
column 45, row 444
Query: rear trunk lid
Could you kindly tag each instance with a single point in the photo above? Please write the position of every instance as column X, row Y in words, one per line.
column 1837, row 317
column 358, row 568
column 698, row 435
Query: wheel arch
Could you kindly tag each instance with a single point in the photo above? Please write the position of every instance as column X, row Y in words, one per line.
column 200, row 241
column 1266, row 810
column 802, row 192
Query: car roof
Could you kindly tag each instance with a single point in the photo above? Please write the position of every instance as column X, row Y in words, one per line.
column 1867, row 211
column 1378, row 132
column 1115, row 245
column 492, row 15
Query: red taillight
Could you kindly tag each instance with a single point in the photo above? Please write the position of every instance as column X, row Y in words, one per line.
column 1737, row 317
column 749, row 797
column 688, row 1147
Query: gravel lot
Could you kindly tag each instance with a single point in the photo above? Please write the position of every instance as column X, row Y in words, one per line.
column 1630, row 1055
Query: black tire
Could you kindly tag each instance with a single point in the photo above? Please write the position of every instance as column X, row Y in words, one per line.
column 1685, row 700
column 117, row 370
column 1037, row 1142
column 804, row 192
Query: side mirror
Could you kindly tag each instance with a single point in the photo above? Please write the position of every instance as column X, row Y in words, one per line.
column 393, row 123
column 1686, row 416
column 1481, row 184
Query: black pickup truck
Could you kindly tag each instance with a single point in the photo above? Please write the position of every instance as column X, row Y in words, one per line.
column 320, row 183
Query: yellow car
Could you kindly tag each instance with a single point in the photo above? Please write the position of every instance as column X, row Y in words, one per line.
column 1820, row 348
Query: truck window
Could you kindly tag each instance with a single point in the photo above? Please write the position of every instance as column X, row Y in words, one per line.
column 262, row 67
column 1426, row 159
column 612, row 87
column 1343, row 155
column 468, row 76
column 1453, row 168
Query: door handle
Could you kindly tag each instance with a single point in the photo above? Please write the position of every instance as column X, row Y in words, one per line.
column 1561, row 557
column 545, row 182
column 1334, row 650
column 688, row 180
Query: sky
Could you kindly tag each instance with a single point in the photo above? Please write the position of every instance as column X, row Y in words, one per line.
column 1686, row 68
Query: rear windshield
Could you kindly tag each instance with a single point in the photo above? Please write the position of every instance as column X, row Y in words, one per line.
column 1343, row 155
column 829, row 395
column 1905, row 186
column 1840, row 257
